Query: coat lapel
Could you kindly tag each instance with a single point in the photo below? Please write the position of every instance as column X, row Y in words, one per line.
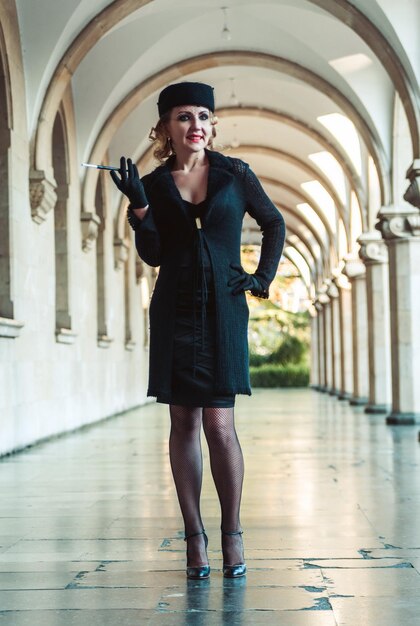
column 167, row 191
column 220, row 176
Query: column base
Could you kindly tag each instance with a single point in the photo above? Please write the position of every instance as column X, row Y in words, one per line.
column 323, row 389
column 358, row 401
column 403, row 419
column 377, row 408
column 344, row 395
column 333, row 392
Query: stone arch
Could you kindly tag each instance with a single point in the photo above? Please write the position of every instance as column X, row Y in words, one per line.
column 98, row 26
column 292, row 261
column 357, row 114
column 305, row 167
column 306, row 255
column 394, row 62
column 332, row 257
column 331, row 146
column 314, row 269
column 323, row 264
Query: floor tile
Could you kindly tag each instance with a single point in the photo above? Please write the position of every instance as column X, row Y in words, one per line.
column 90, row 527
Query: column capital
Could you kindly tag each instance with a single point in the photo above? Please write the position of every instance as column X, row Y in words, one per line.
column 121, row 247
column 90, row 223
column 42, row 192
column 323, row 295
column 353, row 268
column 332, row 290
column 321, row 299
column 341, row 281
column 412, row 195
column 373, row 250
column 398, row 224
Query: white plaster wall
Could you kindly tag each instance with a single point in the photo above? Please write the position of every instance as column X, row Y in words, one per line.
column 47, row 387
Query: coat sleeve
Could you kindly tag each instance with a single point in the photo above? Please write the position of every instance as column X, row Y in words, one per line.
column 272, row 225
column 147, row 237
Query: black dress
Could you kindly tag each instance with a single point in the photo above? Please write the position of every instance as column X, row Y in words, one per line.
column 193, row 363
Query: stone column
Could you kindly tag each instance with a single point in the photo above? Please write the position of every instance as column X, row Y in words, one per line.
column 321, row 344
column 374, row 254
column 332, row 293
column 314, row 382
column 355, row 271
column 401, row 230
column 328, row 345
column 346, row 337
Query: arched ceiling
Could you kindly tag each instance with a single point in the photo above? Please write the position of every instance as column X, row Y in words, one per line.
column 305, row 89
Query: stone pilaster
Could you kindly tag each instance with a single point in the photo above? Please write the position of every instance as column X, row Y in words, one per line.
column 328, row 352
column 401, row 230
column 346, row 337
column 314, row 381
column 321, row 342
column 323, row 305
column 355, row 272
column 374, row 255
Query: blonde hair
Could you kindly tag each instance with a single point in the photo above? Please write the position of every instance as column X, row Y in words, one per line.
column 163, row 146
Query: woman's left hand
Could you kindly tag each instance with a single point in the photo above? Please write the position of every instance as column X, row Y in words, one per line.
column 244, row 282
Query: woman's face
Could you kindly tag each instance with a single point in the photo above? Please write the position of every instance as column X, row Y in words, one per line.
column 189, row 128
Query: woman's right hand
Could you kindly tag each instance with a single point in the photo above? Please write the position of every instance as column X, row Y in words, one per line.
column 129, row 184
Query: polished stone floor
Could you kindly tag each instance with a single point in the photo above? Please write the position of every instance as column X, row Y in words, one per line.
column 90, row 532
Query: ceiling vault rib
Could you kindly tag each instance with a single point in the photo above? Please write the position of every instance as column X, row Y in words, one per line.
column 248, row 59
column 280, row 117
column 303, row 197
column 396, row 65
column 311, row 171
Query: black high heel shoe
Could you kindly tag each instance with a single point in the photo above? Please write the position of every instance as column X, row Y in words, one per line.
column 201, row 571
column 237, row 570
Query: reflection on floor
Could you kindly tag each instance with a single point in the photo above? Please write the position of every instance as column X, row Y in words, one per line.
column 90, row 531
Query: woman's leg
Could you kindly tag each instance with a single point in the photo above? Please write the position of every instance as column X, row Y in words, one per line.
column 227, row 468
column 187, row 469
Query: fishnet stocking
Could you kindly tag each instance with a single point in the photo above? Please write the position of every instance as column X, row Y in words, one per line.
column 187, row 470
column 227, row 466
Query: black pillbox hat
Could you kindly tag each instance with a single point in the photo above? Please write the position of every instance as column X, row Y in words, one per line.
column 198, row 94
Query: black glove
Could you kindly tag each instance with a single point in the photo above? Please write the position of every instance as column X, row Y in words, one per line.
column 246, row 282
column 130, row 184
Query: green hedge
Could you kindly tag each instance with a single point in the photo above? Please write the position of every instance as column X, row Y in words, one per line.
column 279, row 376
column 291, row 350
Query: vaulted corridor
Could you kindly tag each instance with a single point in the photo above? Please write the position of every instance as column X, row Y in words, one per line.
column 91, row 532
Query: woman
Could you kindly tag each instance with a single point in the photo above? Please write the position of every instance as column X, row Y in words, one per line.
column 187, row 217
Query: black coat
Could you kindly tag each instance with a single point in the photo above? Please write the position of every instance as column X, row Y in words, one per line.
column 161, row 238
